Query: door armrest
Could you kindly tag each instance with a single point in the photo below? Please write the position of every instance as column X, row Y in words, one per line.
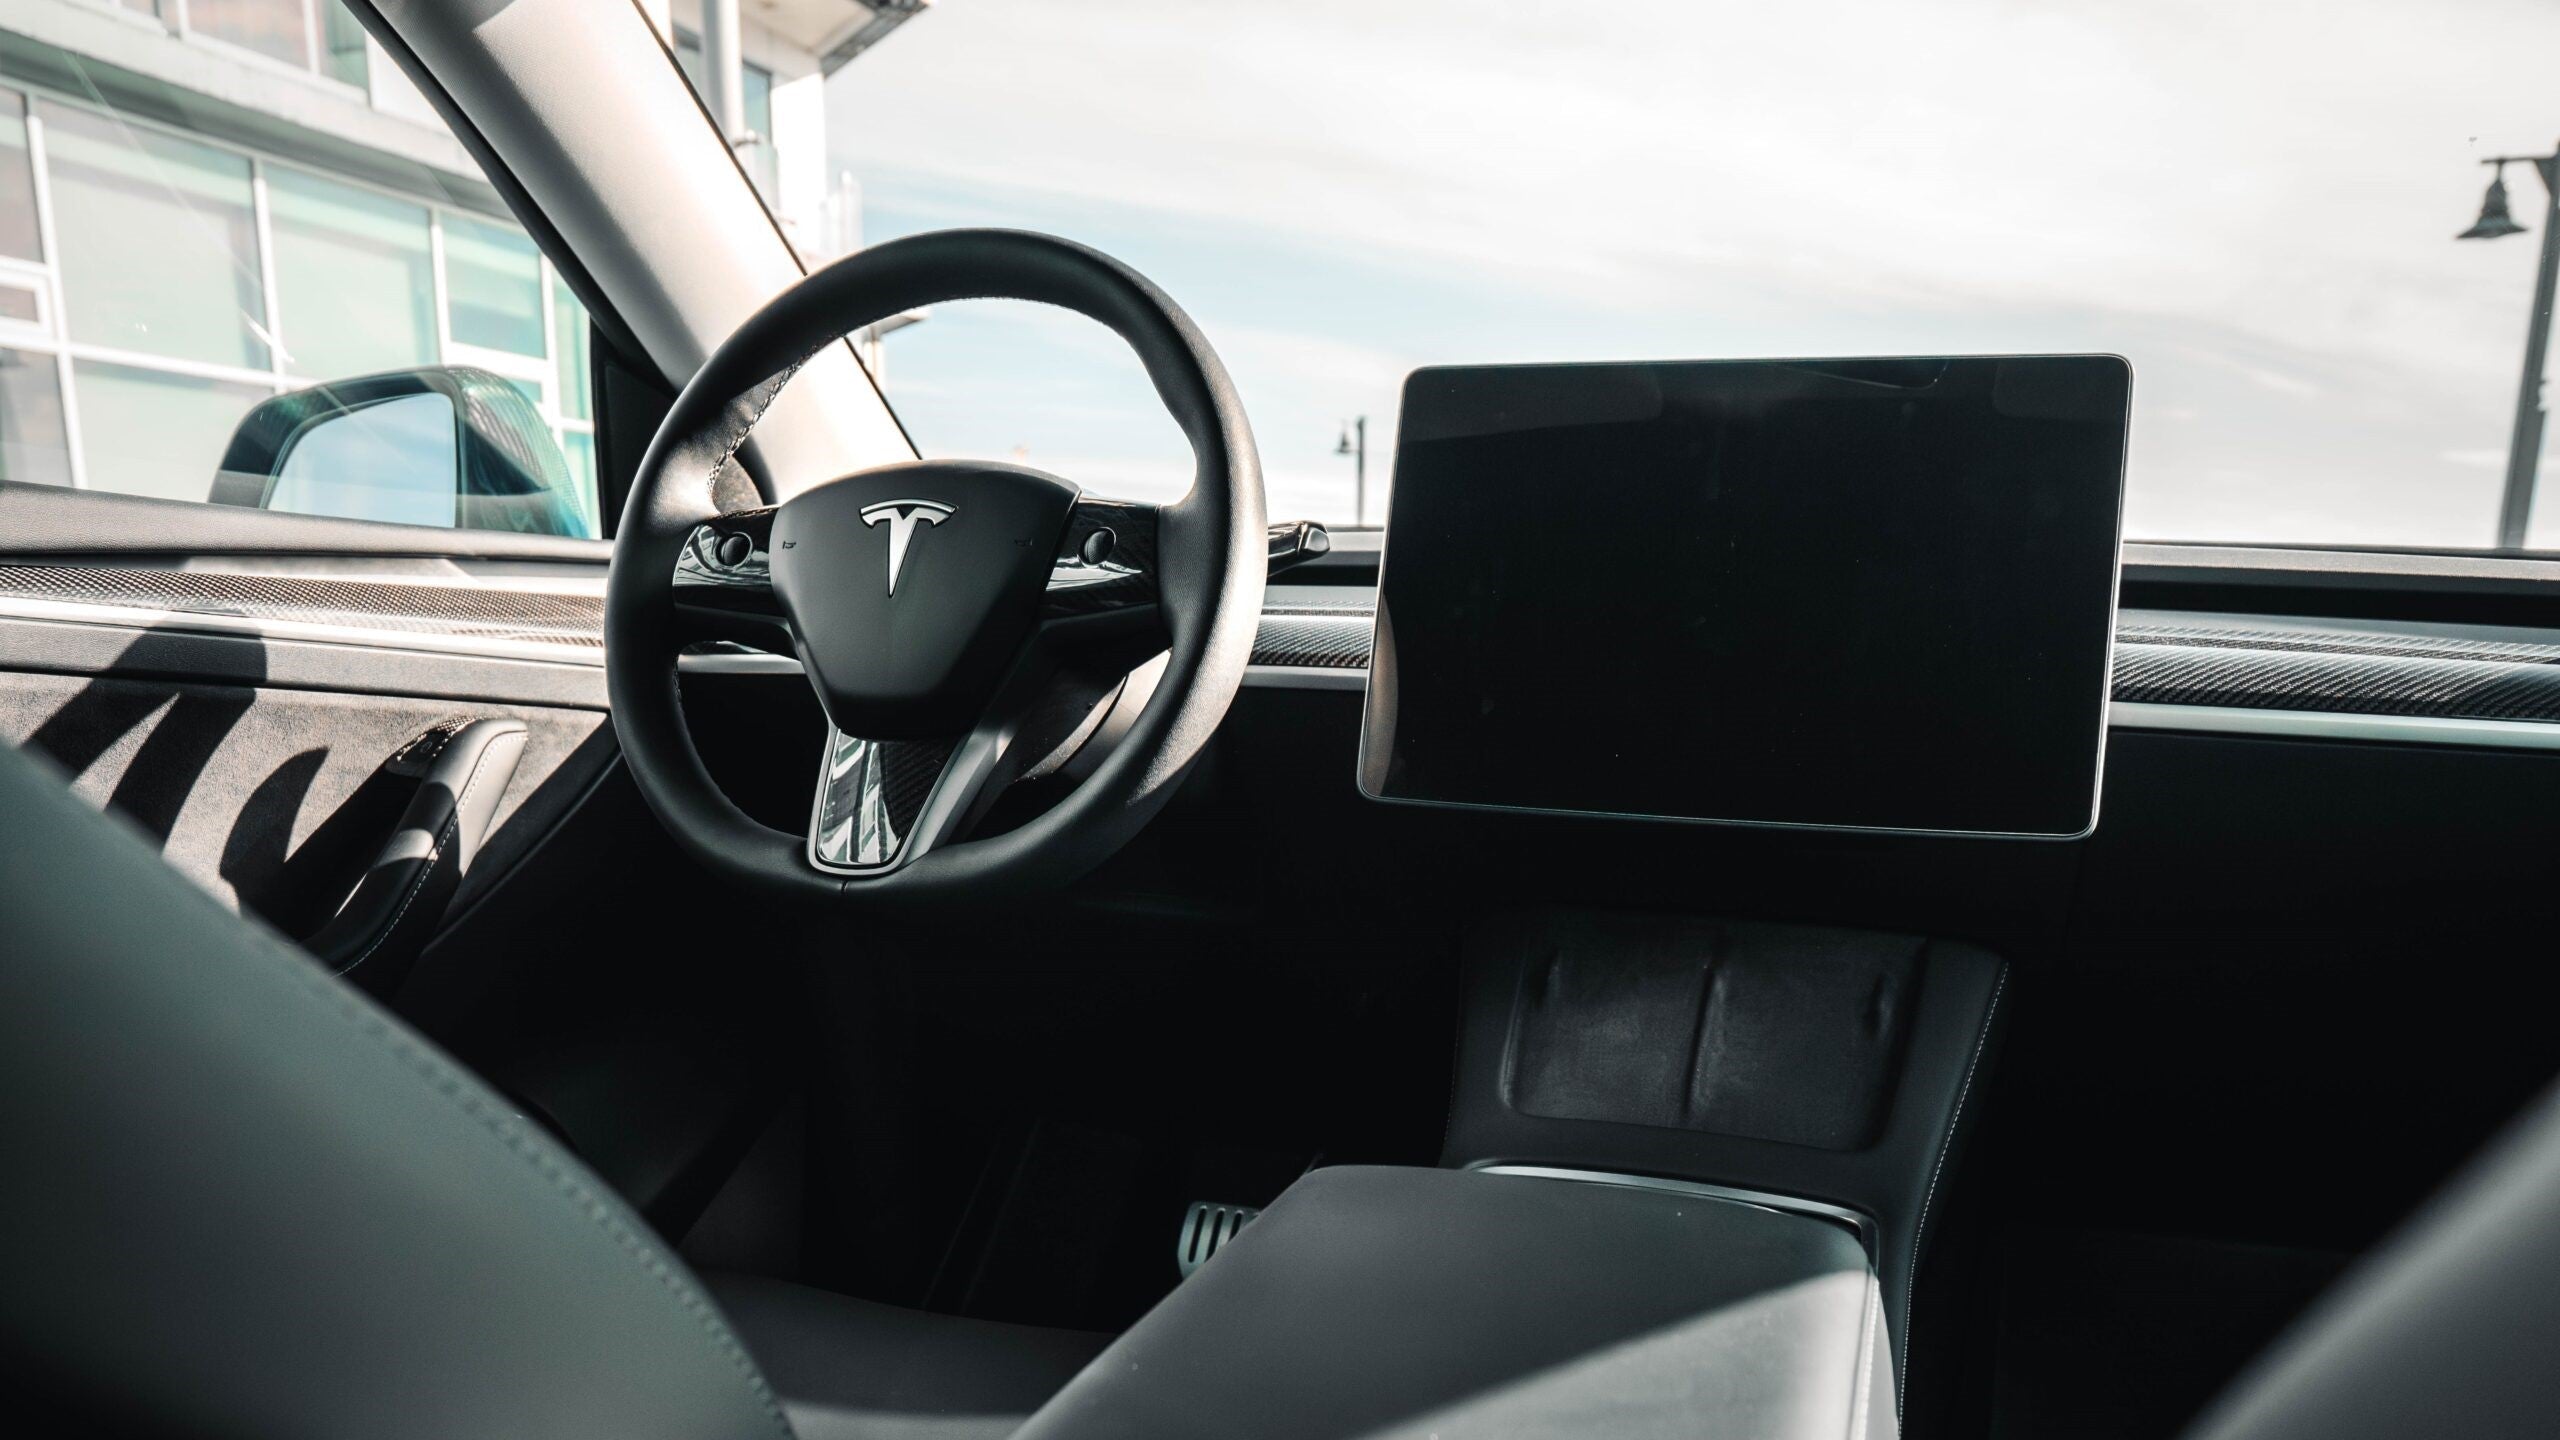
column 386, row 922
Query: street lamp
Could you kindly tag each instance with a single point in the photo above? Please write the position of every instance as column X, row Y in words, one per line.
column 2524, row 449
column 1355, row 443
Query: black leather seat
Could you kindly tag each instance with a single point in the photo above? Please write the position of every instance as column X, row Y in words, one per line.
column 851, row 1370
column 238, row 1199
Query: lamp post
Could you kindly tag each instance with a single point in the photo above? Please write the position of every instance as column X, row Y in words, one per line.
column 1355, row 443
column 2515, row 508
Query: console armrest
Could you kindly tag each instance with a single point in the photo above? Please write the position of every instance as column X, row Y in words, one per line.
column 1371, row 1301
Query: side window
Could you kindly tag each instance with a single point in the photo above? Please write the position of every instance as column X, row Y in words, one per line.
column 160, row 282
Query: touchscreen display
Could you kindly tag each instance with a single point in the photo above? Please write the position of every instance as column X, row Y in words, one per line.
column 1875, row 594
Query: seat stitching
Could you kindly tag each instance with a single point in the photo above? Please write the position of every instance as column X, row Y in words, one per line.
column 597, row 1212
column 435, row 852
column 730, row 451
column 447, row 1080
column 1946, row 1142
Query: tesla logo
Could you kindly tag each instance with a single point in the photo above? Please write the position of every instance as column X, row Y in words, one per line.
column 902, row 517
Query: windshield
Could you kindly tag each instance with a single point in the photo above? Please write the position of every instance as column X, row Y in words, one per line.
column 2256, row 204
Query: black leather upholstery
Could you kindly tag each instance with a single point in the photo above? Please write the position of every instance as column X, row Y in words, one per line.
column 400, row 903
column 238, row 1199
column 1394, row 1302
column 852, row 1370
column 242, row 1201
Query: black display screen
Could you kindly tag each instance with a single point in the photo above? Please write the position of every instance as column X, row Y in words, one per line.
column 1865, row 593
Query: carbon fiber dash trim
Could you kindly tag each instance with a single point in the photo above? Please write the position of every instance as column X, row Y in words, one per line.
column 2203, row 663
column 475, row 612
column 2336, row 683
column 2237, row 663
column 1316, row 639
column 1312, row 600
column 2337, row 642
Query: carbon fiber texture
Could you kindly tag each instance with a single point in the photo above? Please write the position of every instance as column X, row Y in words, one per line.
column 2228, row 636
column 1303, row 601
column 2236, row 664
column 460, row 610
column 908, row 769
column 1329, row 641
column 2337, row 683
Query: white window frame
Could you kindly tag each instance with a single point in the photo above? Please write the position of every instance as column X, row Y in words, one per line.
column 52, row 336
column 36, row 334
column 58, row 341
column 180, row 23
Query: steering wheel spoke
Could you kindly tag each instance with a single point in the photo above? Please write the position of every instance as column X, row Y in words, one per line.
column 723, row 583
column 883, row 803
column 1104, row 582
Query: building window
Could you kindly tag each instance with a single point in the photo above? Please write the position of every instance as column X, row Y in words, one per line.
column 577, row 365
column 355, row 277
column 188, row 281
column 159, row 241
column 277, row 29
column 755, row 96
column 18, row 236
column 755, row 99
column 34, row 447
column 322, row 36
column 495, row 278
column 342, row 47
column 156, row 432
column 755, row 83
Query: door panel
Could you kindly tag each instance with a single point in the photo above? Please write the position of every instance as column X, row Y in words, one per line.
column 234, row 681
column 240, row 704
column 273, row 799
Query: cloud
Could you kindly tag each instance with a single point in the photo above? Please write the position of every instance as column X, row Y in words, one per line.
column 2254, row 202
column 2280, row 382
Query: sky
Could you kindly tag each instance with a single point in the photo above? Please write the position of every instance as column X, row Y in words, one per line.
column 2253, row 202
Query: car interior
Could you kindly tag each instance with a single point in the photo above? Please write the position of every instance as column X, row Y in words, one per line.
column 1776, row 915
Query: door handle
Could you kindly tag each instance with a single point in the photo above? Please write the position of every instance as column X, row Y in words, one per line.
column 463, row 771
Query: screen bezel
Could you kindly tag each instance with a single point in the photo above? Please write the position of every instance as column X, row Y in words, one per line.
column 1381, row 672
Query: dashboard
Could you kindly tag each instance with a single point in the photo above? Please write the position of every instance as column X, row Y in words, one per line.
column 2453, row 681
column 2212, row 671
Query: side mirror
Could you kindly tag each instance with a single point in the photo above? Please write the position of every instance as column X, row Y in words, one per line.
column 445, row 445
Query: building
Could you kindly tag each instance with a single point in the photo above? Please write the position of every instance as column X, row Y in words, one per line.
column 206, row 202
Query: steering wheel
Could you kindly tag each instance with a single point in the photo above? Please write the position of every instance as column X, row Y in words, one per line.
column 965, row 624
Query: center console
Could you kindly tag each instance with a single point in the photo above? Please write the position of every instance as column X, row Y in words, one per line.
column 1691, row 1164
column 1690, row 1168
column 1403, row 1302
column 1827, row 1071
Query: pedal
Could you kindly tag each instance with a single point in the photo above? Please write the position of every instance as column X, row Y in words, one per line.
column 1205, row 1227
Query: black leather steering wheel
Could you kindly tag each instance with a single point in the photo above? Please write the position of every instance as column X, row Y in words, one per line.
column 965, row 624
